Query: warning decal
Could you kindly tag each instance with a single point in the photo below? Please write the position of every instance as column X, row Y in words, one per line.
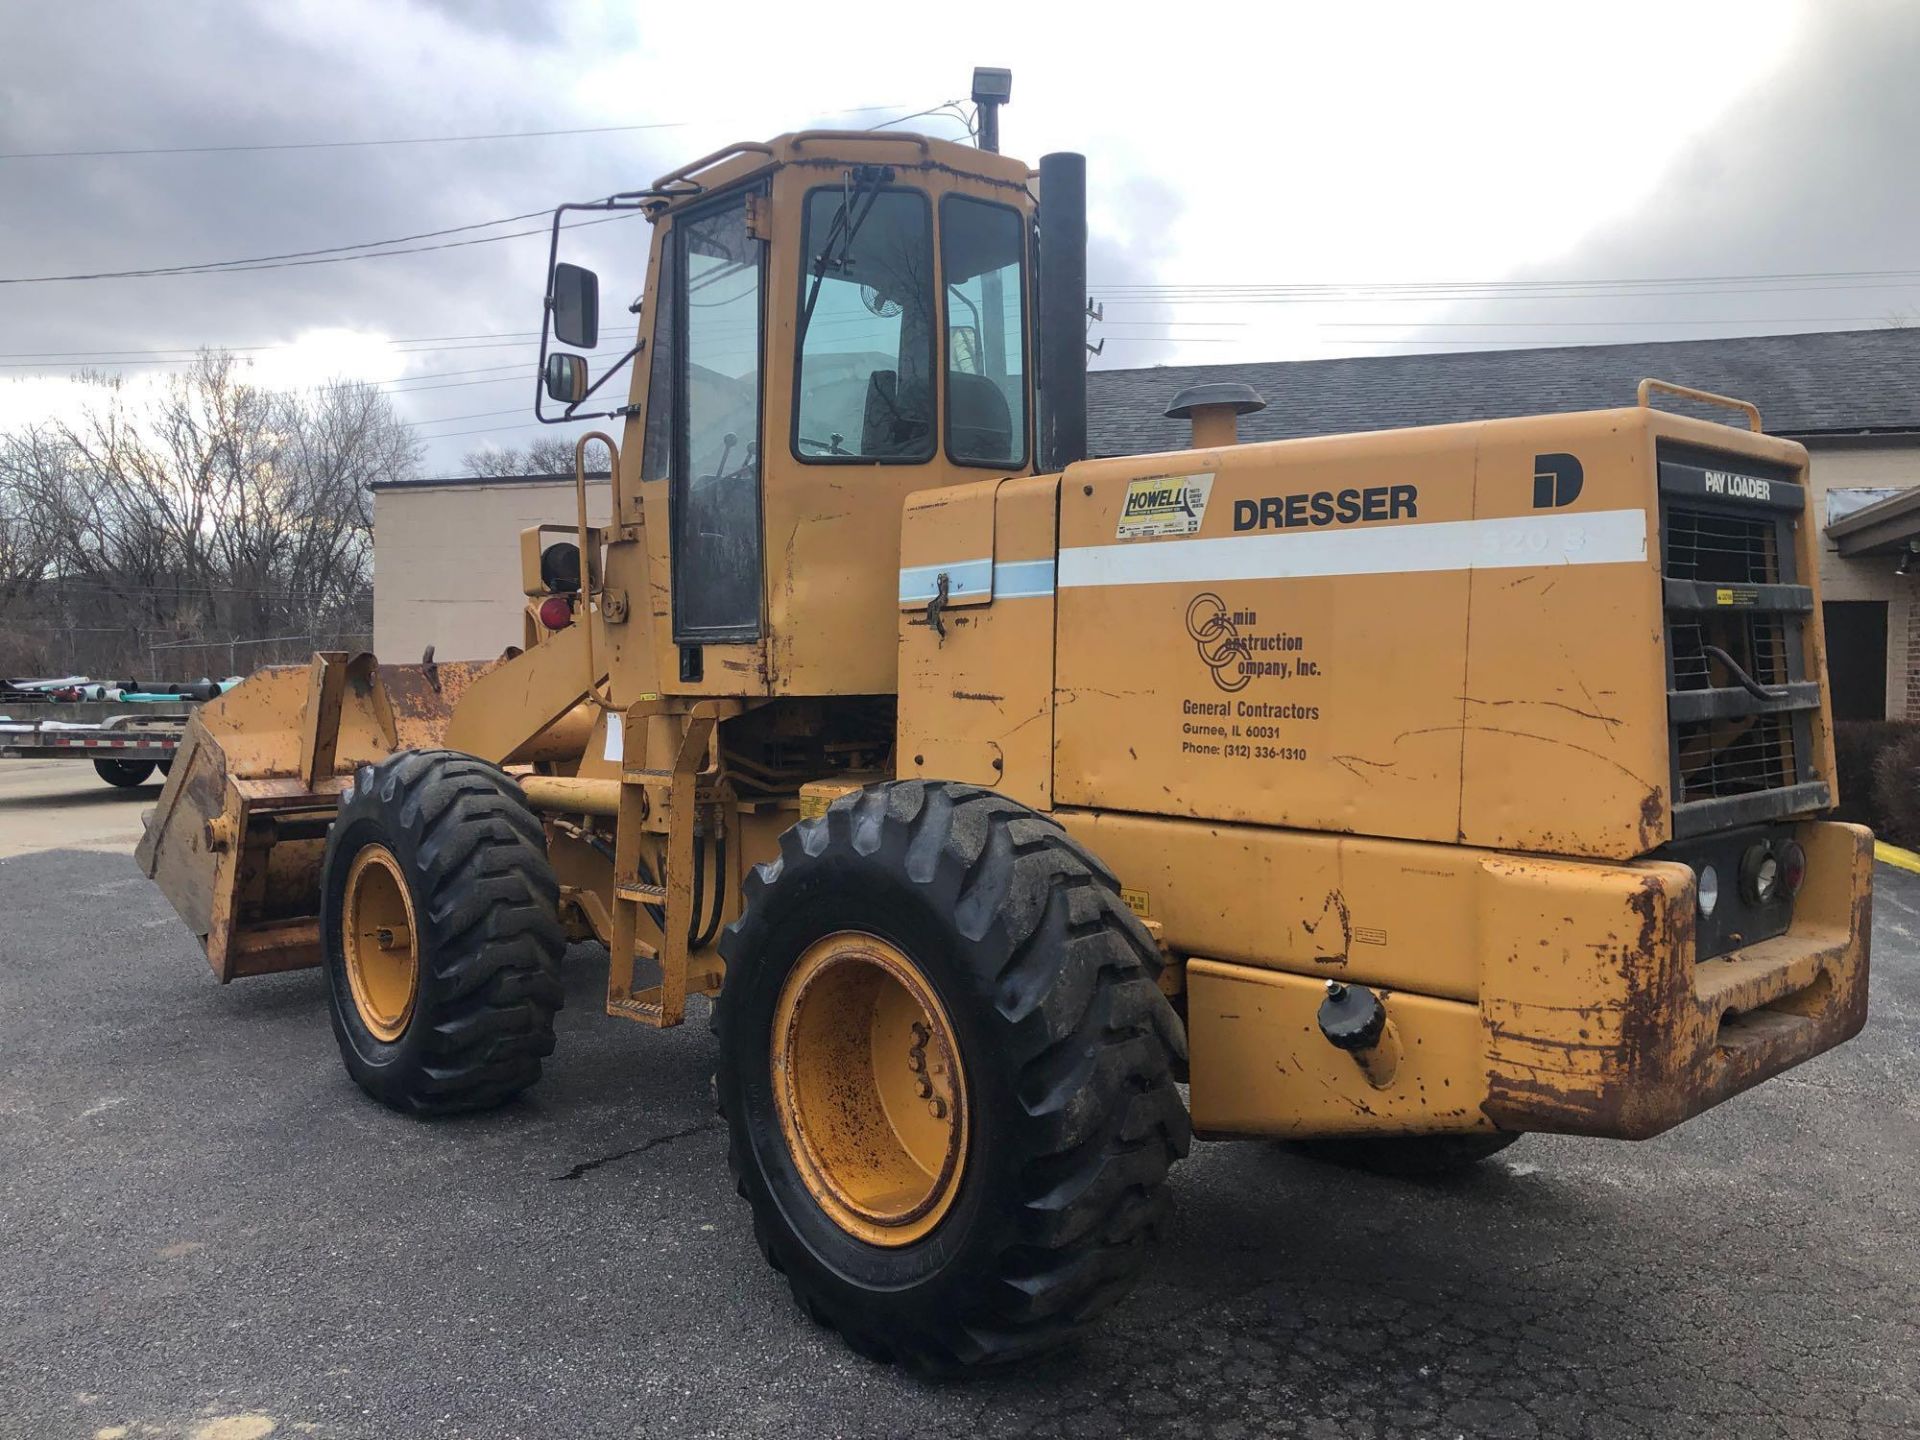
column 1164, row 505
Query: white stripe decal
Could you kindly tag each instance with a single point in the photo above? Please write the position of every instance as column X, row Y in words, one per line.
column 1524, row 542
column 1009, row 580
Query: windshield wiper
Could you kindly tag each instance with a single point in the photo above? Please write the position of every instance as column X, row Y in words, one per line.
column 855, row 205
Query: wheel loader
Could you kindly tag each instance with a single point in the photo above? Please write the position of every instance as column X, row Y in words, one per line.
column 1395, row 793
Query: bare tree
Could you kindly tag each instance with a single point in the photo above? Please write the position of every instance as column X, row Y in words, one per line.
column 217, row 525
column 549, row 455
column 32, row 467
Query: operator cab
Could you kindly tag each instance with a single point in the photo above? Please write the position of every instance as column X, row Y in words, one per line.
column 833, row 321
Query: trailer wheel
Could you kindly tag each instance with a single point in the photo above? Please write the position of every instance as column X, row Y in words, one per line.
column 122, row 774
column 1409, row 1156
column 441, row 932
column 947, row 1072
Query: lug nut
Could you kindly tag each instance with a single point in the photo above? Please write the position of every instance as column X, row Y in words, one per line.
column 937, row 1108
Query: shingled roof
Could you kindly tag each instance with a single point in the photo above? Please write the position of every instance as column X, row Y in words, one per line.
column 1845, row 382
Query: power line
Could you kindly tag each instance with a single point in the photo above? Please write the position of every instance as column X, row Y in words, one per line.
column 187, row 356
column 1449, row 285
column 287, row 255
column 269, row 345
column 1585, row 324
column 325, row 256
column 493, row 429
column 449, row 419
column 362, row 144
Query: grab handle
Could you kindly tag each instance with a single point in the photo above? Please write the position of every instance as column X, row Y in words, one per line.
column 1752, row 411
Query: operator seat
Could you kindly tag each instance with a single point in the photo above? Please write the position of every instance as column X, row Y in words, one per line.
column 979, row 424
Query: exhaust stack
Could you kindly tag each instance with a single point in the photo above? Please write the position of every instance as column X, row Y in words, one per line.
column 1215, row 411
column 1062, row 323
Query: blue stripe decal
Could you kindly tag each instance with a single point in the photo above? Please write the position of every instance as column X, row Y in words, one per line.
column 1012, row 580
column 920, row 583
column 1021, row 579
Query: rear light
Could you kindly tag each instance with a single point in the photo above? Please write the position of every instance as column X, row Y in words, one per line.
column 1708, row 889
column 1760, row 875
column 560, row 567
column 556, row 612
column 1793, row 868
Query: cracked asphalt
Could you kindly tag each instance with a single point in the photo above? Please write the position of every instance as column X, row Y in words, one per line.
column 207, row 1233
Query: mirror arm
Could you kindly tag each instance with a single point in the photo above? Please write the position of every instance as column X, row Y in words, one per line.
column 571, row 412
column 631, row 202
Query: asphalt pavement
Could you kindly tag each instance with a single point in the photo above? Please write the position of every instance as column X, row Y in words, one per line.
column 207, row 1233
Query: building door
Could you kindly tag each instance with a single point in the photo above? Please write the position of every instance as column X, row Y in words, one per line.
column 1857, row 658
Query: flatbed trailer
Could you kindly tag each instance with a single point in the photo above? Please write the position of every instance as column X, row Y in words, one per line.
column 126, row 750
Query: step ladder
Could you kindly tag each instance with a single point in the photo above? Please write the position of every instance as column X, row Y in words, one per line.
column 683, row 794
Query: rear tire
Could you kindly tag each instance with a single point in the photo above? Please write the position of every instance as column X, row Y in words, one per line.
column 1410, row 1157
column 468, row 1028
column 1061, row 1063
column 123, row 774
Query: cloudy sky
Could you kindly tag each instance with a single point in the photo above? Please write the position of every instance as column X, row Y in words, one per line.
column 1270, row 181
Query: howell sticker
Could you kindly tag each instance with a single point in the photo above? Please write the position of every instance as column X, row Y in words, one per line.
column 1164, row 505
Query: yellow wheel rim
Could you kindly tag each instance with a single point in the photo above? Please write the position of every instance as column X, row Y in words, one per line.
column 869, row 1089
column 382, row 949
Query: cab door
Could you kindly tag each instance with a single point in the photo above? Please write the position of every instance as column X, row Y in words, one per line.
column 717, row 553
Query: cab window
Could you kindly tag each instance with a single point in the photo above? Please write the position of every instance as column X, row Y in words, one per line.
column 716, row 481
column 656, row 455
column 983, row 254
column 864, row 384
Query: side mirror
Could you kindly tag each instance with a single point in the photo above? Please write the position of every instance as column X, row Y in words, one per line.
column 566, row 378
column 576, row 306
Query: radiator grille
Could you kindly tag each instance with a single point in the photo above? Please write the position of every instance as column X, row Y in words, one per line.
column 1735, row 757
column 1757, row 643
column 1738, row 695
column 1721, row 548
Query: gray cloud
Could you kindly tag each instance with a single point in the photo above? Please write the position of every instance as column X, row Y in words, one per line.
column 1811, row 171
column 185, row 74
column 1132, row 222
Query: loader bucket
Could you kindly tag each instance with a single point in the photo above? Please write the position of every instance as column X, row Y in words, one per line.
column 236, row 840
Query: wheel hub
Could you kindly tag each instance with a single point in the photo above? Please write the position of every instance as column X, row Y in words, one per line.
column 381, row 949
column 869, row 1089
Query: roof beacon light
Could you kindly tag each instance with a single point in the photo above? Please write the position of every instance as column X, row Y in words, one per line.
column 991, row 89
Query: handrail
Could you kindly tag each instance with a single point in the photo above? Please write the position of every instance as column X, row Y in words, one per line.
column 587, row 557
column 1687, row 392
column 903, row 137
column 797, row 139
column 739, row 147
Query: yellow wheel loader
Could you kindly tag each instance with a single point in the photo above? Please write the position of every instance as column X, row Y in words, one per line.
column 1399, row 792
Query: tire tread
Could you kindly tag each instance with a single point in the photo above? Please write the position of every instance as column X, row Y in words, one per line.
column 1091, row 1043
column 487, row 901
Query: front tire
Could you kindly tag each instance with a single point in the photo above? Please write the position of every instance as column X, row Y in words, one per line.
column 441, row 932
column 982, row 1193
column 123, row 774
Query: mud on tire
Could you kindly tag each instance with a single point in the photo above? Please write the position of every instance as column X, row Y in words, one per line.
column 1068, row 1048
column 489, row 936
